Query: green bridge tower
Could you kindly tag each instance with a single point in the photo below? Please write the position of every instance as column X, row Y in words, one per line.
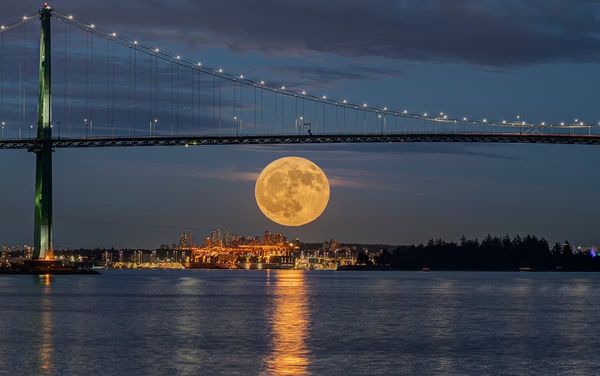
column 43, row 150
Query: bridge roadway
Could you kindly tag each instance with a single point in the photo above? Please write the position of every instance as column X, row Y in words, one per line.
column 60, row 143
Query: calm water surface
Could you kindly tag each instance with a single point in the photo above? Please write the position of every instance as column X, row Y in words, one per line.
column 299, row 323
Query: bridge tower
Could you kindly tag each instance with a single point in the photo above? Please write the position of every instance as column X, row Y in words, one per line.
column 43, row 149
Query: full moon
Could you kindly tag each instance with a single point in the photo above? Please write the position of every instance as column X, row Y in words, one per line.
column 292, row 191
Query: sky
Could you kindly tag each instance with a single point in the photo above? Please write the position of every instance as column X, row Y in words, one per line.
column 538, row 59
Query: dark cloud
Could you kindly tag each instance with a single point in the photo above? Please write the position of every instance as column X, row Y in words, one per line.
column 318, row 76
column 487, row 33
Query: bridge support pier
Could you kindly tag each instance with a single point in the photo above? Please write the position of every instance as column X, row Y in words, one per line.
column 43, row 175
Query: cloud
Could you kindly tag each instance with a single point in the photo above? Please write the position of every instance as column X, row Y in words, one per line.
column 487, row 33
column 325, row 75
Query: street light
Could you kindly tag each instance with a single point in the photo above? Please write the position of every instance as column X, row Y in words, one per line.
column 85, row 125
column 153, row 123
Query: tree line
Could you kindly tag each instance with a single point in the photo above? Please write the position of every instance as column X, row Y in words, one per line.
column 492, row 253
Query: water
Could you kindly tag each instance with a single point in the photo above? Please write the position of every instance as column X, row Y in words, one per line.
column 299, row 323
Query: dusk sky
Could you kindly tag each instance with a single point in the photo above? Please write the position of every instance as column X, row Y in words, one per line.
column 461, row 57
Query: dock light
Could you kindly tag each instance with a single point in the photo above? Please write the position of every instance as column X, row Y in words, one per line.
column 485, row 120
column 425, row 114
column 503, row 121
column 543, row 123
column 562, row 123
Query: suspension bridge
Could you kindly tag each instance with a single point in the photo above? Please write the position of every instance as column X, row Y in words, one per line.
column 108, row 90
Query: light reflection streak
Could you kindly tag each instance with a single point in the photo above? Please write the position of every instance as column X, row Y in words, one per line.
column 289, row 319
column 46, row 348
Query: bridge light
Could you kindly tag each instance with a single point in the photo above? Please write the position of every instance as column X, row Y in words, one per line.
column 135, row 42
column 220, row 70
column 543, row 123
column 324, row 96
column 70, row 16
column 562, row 123
column 178, row 57
column 503, row 121
column 262, row 82
column 92, row 26
column 24, row 18
column 345, row 101
column 425, row 114
column 283, row 88
column 156, row 50
column 364, row 105
column 385, row 108
column 2, row 27
column 303, row 92
column 465, row 119
column 241, row 76
column 445, row 117
column 113, row 35
column 405, row 112
column 485, row 120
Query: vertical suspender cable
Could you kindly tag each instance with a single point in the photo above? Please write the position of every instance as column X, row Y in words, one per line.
column 108, row 83
column 2, row 76
column 177, row 96
column 112, row 107
column 69, row 83
column 129, row 89
column 24, row 72
column 92, row 93
column 214, row 99
column 134, row 88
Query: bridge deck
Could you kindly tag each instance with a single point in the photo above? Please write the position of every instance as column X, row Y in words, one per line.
column 32, row 144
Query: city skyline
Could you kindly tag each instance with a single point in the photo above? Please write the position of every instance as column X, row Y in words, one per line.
column 396, row 194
